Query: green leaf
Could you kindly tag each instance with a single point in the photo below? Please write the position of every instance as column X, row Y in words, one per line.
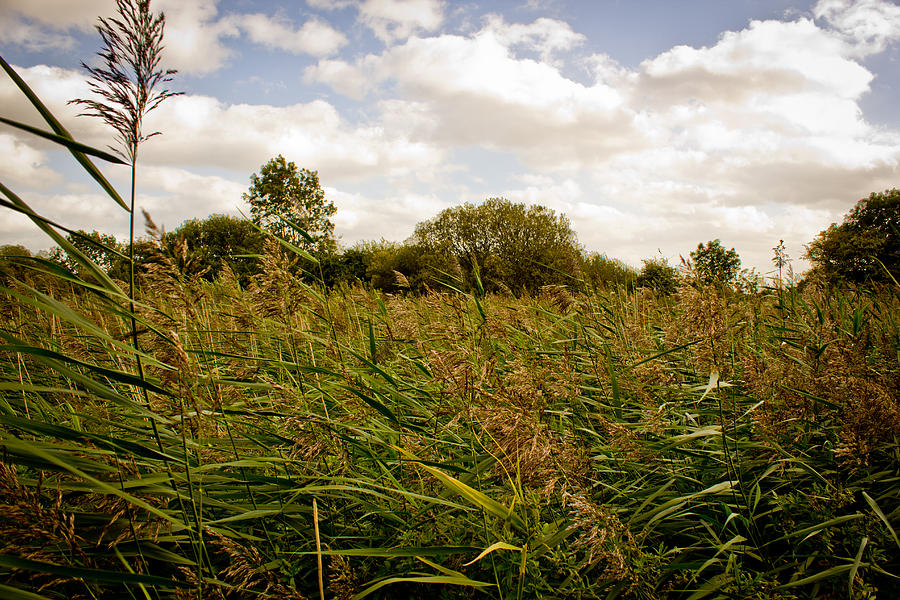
column 57, row 127
column 62, row 242
column 65, row 141
column 881, row 516
column 491, row 548
column 14, row 593
column 100, row 575
column 826, row 574
column 856, row 562
column 474, row 496
column 440, row 579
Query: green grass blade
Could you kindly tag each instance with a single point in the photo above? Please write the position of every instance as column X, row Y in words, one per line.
column 57, row 127
column 65, row 141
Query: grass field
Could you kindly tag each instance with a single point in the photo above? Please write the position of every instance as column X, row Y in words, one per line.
column 288, row 441
column 283, row 440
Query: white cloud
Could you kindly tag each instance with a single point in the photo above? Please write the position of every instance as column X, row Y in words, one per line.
column 544, row 36
column 61, row 13
column 330, row 4
column 768, row 58
column 38, row 25
column 314, row 37
column 178, row 195
column 200, row 131
column 392, row 20
column 869, row 25
column 719, row 137
column 474, row 91
column 34, row 37
column 23, row 164
column 54, row 86
column 194, row 35
column 360, row 217
column 345, row 78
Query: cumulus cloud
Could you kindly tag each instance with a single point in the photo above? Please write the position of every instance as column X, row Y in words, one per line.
column 45, row 24
column 61, row 13
column 23, row 164
column 200, row 131
column 363, row 217
column 760, row 136
column 330, row 4
column 198, row 37
column 475, row 91
column 315, row 36
column 544, row 36
column 770, row 110
column 54, row 86
column 392, row 20
column 868, row 25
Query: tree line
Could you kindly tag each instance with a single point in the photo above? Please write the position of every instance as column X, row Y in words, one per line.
column 497, row 246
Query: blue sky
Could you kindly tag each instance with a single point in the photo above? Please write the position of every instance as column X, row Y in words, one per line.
column 652, row 125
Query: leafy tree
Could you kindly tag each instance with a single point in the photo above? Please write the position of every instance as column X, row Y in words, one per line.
column 101, row 248
column 716, row 265
column 659, row 276
column 346, row 267
column 512, row 245
column 143, row 252
column 869, row 234
column 10, row 267
column 600, row 271
column 281, row 191
column 221, row 240
column 394, row 267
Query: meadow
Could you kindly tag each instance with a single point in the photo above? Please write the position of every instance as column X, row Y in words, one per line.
column 285, row 440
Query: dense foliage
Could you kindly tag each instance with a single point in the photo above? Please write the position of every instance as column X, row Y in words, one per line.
column 713, row 264
column 283, row 198
column 510, row 246
column 219, row 241
column 865, row 247
column 659, row 276
column 610, row 444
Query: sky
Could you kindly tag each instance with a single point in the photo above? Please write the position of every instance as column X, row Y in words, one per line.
column 652, row 125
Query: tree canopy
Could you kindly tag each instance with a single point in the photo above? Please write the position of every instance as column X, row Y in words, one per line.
column 659, row 276
column 512, row 246
column 714, row 264
column 221, row 240
column 280, row 193
column 868, row 235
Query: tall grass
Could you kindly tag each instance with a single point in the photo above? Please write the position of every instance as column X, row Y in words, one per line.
column 614, row 445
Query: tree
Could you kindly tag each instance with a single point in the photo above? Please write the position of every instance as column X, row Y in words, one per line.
column 512, row 245
column 101, row 248
column 601, row 271
column 221, row 240
column 716, row 265
column 658, row 276
column 868, row 235
column 282, row 193
column 12, row 265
